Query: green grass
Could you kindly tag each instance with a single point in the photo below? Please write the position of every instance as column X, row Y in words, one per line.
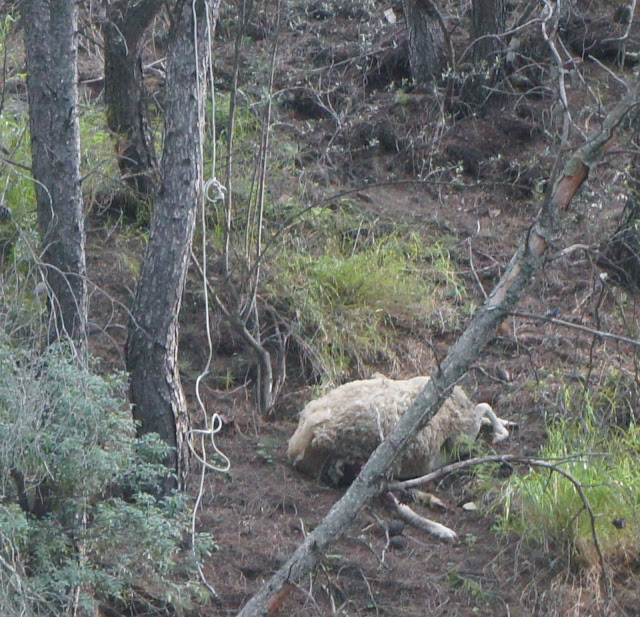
column 16, row 186
column 545, row 508
column 348, row 286
column 98, row 162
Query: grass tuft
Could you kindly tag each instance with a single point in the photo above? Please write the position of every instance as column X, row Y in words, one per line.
column 544, row 507
column 347, row 289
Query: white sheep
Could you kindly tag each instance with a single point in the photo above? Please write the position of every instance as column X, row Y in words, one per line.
column 338, row 432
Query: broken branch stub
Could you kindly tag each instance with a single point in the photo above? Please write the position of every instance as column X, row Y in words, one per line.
column 522, row 269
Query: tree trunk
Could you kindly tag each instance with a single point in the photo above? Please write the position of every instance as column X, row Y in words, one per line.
column 124, row 93
column 518, row 276
column 50, row 28
column 156, row 393
column 426, row 40
column 489, row 18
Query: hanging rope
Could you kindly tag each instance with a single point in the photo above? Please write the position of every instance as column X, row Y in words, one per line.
column 211, row 191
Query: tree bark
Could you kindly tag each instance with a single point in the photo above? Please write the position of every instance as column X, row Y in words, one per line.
column 156, row 392
column 489, row 18
column 523, row 267
column 124, row 92
column 50, row 28
column 426, row 40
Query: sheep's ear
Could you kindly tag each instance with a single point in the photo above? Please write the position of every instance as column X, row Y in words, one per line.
column 378, row 376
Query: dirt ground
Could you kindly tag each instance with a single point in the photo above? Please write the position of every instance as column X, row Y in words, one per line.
column 260, row 510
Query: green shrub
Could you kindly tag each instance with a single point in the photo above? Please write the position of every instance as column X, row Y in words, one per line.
column 77, row 525
column 545, row 508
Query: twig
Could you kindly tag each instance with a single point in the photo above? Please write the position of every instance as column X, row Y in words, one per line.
column 475, row 274
column 508, row 458
column 552, row 19
column 605, row 68
column 575, row 326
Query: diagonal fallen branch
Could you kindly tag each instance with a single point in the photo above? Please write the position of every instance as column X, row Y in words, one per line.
column 519, row 274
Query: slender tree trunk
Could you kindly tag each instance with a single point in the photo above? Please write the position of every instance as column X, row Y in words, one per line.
column 124, row 92
column 426, row 40
column 523, row 267
column 152, row 345
column 50, row 29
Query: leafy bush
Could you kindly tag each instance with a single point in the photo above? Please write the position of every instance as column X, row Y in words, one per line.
column 544, row 506
column 77, row 524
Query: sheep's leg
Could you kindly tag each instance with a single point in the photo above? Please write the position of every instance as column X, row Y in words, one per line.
column 500, row 432
column 427, row 499
column 408, row 515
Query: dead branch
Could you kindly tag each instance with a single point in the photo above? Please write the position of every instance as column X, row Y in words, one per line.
column 579, row 327
column 509, row 458
column 521, row 271
column 407, row 514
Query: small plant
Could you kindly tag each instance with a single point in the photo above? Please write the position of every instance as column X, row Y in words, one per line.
column 468, row 586
column 544, row 507
column 264, row 450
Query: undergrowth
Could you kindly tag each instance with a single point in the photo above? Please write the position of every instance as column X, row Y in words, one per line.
column 347, row 286
column 78, row 523
column 602, row 455
column 339, row 283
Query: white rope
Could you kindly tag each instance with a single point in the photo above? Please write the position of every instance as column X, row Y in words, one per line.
column 210, row 191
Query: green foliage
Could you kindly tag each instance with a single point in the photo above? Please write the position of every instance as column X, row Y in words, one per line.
column 98, row 166
column 16, row 186
column 98, row 163
column 544, row 506
column 86, row 527
column 470, row 587
column 18, row 235
column 347, row 286
column 246, row 124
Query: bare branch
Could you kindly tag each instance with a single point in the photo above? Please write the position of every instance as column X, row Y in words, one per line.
column 575, row 326
column 553, row 466
column 407, row 514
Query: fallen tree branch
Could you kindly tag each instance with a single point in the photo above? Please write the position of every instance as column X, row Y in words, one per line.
column 581, row 328
column 408, row 515
column 522, row 460
column 522, row 269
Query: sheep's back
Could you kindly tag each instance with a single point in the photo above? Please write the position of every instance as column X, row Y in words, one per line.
column 341, row 429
